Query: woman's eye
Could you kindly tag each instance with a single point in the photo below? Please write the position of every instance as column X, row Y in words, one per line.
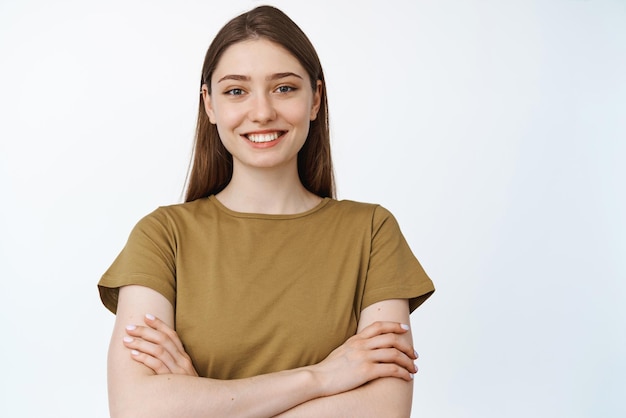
column 285, row 89
column 234, row 92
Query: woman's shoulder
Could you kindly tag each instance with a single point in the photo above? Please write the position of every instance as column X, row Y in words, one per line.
column 363, row 208
column 184, row 208
column 355, row 212
column 177, row 213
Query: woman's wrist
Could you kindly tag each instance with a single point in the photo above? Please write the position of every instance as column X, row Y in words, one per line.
column 315, row 382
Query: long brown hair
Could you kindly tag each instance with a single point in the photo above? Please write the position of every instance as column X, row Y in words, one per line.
column 211, row 166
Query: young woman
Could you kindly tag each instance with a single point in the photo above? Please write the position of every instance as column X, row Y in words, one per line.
column 262, row 295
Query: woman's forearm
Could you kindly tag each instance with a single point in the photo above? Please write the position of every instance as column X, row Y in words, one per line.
column 176, row 395
column 386, row 397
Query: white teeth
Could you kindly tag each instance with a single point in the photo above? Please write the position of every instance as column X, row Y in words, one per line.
column 263, row 137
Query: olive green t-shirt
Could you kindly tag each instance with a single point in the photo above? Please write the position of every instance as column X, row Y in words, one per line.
column 257, row 293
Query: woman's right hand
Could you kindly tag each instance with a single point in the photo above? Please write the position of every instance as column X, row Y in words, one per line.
column 158, row 346
column 377, row 351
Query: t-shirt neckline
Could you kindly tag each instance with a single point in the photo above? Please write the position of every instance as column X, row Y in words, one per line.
column 251, row 215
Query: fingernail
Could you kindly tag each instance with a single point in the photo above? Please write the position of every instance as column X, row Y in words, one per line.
column 404, row 326
column 134, row 352
column 411, row 374
column 128, row 339
column 150, row 317
column 416, row 355
column 131, row 327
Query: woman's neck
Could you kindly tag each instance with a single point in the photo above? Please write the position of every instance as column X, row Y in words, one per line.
column 267, row 191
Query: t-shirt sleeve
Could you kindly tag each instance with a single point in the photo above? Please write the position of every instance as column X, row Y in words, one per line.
column 147, row 259
column 393, row 272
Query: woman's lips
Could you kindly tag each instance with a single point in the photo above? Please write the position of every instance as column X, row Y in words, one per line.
column 263, row 137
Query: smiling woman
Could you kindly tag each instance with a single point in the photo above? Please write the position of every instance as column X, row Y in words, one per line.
column 262, row 295
column 261, row 101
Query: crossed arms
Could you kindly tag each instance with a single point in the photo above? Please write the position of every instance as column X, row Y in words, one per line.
column 150, row 375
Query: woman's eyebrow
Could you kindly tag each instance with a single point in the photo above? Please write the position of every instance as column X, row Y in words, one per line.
column 235, row 77
column 272, row 77
column 278, row 76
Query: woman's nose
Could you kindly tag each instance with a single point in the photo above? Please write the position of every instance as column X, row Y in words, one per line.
column 262, row 110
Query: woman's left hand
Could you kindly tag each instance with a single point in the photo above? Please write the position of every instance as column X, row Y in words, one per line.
column 157, row 346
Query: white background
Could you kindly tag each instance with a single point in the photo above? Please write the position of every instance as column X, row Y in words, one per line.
column 494, row 130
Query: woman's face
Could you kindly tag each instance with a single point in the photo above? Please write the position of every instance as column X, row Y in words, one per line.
column 262, row 103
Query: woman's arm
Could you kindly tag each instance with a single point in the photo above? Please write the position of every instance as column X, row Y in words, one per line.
column 385, row 397
column 136, row 390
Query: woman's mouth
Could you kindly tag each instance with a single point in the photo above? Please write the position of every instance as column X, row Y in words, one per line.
column 260, row 138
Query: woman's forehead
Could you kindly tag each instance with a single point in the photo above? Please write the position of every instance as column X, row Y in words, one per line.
column 257, row 57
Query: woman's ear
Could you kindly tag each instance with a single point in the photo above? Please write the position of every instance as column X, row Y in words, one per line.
column 317, row 100
column 208, row 106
